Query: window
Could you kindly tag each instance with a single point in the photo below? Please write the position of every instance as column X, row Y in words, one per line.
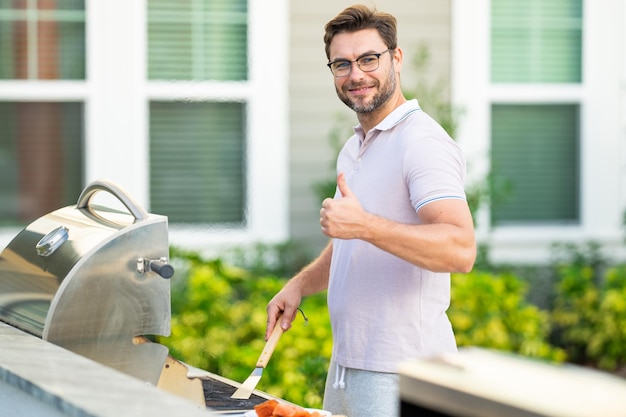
column 42, row 40
column 41, row 155
column 534, row 146
column 565, row 109
column 536, row 41
column 169, row 99
column 198, row 149
column 41, row 145
column 535, row 157
column 197, row 161
column 198, row 40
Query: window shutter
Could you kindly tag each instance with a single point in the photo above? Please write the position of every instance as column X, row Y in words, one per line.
column 197, row 149
column 197, row 163
column 535, row 153
column 536, row 41
column 197, row 40
column 41, row 143
column 42, row 40
column 41, row 158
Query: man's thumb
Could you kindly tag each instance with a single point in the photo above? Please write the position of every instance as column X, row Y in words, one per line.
column 343, row 185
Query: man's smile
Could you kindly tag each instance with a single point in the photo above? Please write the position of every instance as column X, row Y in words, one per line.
column 359, row 90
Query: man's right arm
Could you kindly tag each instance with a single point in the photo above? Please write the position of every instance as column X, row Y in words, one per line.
column 310, row 280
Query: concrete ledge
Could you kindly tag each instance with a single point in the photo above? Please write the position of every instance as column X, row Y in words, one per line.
column 479, row 382
column 38, row 378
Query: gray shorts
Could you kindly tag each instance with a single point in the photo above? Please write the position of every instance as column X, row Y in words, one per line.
column 362, row 394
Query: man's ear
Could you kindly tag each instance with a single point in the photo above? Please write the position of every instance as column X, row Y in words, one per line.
column 398, row 59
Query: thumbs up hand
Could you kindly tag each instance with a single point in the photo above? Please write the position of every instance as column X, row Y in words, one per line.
column 342, row 218
column 342, row 184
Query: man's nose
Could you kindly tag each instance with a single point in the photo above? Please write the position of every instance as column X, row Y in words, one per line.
column 355, row 70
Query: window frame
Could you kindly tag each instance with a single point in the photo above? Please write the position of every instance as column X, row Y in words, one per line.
column 601, row 126
column 116, row 146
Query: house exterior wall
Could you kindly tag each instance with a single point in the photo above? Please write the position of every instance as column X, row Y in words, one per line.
column 294, row 101
column 315, row 110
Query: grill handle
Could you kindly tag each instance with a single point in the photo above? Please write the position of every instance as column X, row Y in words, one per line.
column 107, row 185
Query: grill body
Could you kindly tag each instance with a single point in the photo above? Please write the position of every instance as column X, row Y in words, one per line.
column 80, row 277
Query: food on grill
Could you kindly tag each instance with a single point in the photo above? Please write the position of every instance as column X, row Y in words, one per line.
column 265, row 409
column 273, row 408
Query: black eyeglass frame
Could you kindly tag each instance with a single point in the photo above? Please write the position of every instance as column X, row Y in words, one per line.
column 377, row 55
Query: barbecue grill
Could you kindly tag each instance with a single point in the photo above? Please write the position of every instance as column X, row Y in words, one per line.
column 95, row 280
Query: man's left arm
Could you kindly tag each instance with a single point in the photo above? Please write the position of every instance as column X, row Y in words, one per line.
column 443, row 242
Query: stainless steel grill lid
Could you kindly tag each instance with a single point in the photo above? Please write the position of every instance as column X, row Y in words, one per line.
column 92, row 280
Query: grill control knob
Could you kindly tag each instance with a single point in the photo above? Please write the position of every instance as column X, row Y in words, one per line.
column 164, row 269
column 52, row 241
column 160, row 266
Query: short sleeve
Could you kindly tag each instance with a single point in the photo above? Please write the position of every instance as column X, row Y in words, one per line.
column 434, row 169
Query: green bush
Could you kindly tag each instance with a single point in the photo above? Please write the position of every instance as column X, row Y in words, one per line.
column 608, row 344
column 219, row 318
column 491, row 311
column 218, row 322
column 589, row 315
column 575, row 310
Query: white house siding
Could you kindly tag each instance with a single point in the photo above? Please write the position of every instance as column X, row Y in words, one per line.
column 313, row 105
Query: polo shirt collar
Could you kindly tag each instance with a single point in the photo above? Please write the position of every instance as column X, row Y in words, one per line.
column 393, row 118
column 398, row 114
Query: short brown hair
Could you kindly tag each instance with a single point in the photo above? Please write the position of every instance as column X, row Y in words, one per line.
column 359, row 17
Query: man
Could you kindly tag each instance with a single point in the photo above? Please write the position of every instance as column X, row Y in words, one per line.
column 399, row 224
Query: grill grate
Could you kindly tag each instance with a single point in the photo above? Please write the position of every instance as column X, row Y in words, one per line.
column 217, row 396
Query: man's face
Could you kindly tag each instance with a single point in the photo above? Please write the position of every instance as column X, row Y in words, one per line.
column 363, row 92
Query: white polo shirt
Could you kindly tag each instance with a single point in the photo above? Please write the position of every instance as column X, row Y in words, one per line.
column 383, row 309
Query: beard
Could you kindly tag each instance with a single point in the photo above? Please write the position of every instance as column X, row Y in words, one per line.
column 360, row 105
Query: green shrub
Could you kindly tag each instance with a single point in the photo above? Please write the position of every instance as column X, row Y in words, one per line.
column 574, row 314
column 218, row 324
column 608, row 344
column 219, row 318
column 491, row 311
column 589, row 315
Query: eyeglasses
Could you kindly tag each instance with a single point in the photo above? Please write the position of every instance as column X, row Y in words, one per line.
column 366, row 63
